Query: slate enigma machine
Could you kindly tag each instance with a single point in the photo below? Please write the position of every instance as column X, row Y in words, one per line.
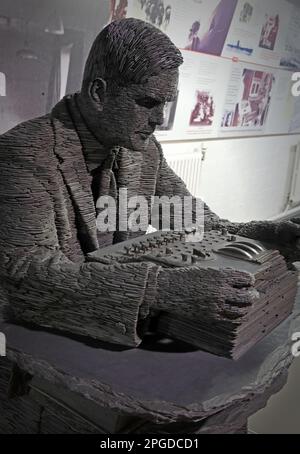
column 211, row 318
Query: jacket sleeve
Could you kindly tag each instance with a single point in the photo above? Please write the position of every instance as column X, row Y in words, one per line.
column 40, row 285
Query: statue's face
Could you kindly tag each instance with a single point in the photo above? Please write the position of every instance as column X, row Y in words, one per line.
column 131, row 114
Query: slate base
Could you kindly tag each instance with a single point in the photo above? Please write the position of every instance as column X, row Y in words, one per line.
column 48, row 409
column 158, row 388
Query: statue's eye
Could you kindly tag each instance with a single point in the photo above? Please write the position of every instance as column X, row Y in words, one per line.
column 147, row 102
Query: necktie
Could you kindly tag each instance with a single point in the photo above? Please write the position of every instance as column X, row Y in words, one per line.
column 120, row 171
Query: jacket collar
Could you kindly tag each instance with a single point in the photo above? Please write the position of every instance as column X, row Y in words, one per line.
column 73, row 166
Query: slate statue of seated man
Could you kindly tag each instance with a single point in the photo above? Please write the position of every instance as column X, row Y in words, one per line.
column 53, row 169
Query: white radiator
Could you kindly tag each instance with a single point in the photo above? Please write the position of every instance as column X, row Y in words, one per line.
column 188, row 168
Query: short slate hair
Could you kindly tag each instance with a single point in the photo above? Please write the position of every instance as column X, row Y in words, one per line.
column 130, row 51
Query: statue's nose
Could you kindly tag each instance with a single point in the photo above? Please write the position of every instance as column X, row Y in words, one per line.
column 157, row 116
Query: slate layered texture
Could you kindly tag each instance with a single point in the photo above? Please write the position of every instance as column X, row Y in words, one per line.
column 48, row 194
column 48, row 228
column 48, row 225
column 174, row 391
column 222, row 294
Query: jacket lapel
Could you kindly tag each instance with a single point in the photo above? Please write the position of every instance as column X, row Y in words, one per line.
column 72, row 165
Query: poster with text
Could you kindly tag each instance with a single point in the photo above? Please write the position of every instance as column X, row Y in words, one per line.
column 283, row 104
column 248, row 99
column 195, row 25
column 200, row 98
column 118, row 10
column 290, row 57
column 295, row 120
column 258, row 31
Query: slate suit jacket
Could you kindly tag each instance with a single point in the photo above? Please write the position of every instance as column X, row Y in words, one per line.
column 48, row 225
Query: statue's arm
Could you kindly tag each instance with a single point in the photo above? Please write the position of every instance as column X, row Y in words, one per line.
column 41, row 285
column 283, row 234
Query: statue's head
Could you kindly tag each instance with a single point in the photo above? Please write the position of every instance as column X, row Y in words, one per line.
column 130, row 73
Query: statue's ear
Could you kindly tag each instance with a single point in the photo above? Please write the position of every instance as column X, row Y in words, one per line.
column 97, row 91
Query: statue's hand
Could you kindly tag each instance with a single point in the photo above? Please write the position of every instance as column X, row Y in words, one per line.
column 288, row 232
column 190, row 291
column 282, row 233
